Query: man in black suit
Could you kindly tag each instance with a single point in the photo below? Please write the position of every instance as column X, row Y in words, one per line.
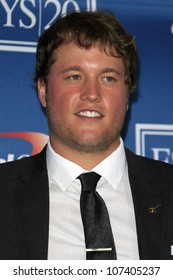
column 85, row 70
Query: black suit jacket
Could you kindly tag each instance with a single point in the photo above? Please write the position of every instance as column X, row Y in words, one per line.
column 24, row 207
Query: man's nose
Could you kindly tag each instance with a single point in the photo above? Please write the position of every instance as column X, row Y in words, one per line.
column 91, row 91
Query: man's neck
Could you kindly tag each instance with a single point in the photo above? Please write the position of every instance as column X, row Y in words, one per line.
column 86, row 160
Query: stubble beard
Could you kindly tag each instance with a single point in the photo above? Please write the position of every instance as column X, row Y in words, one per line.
column 78, row 144
column 67, row 137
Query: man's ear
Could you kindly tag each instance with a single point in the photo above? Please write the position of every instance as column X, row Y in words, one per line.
column 41, row 92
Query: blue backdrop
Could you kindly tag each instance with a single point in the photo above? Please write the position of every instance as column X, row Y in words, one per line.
column 23, row 125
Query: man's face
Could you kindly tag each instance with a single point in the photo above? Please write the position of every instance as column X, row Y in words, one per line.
column 86, row 99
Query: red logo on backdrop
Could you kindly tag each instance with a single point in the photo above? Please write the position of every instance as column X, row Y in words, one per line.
column 38, row 140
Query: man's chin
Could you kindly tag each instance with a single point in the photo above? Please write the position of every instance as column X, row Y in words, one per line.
column 91, row 146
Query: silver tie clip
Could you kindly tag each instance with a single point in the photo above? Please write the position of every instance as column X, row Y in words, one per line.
column 98, row 249
column 171, row 250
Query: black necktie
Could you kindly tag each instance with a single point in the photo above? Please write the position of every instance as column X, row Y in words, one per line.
column 98, row 233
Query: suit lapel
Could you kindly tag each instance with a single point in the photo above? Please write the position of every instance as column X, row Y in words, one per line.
column 33, row 200
column 148, row 208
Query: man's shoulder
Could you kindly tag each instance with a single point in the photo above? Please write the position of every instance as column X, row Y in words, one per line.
column 135, row 157
column 11, row 170
column 159, row 168
column 15, row 163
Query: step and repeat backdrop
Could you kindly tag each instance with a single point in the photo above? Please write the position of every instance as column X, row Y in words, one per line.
column 149, row 125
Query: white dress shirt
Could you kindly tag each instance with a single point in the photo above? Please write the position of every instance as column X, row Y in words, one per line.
column 66, row 236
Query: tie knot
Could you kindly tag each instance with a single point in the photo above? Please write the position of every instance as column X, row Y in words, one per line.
column 89, row 181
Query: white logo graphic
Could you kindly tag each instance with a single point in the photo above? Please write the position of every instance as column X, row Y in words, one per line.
column 155, row 141
column 23, row 21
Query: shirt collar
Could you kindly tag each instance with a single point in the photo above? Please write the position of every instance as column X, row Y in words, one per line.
column 113, row 167
column 64, row 172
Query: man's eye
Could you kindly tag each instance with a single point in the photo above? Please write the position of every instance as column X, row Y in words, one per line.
column 74, row 77
column 109, row 79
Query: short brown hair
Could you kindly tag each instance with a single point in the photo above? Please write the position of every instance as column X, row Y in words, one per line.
column 86, row 29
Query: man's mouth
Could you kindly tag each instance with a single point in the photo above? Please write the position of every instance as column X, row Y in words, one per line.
column 89, row 114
